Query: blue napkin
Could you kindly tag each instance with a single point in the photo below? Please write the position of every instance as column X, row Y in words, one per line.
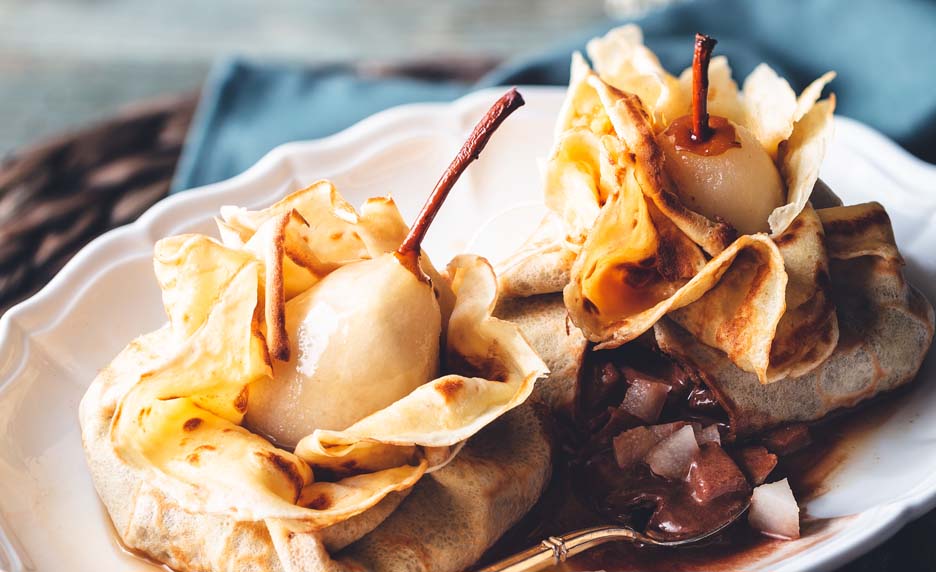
column 883, row 50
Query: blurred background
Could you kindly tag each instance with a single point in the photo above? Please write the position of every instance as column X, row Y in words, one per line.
column 97, row 96
column 64, row 63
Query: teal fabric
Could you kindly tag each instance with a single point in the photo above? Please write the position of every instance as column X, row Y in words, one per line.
column 883, row 50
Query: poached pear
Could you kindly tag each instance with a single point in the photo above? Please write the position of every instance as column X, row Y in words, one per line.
column 360, row 339
column 719, row 167
column 368, row 333
column 740, row 184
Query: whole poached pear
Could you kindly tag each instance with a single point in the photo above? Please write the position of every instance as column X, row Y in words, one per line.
column 360, row 339
column 369, row 332
column 719, row 167
column 740, row 183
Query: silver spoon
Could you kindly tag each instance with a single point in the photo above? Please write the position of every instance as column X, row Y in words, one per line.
column 556, row 549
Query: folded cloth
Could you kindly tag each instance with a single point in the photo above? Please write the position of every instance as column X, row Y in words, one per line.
column 882, row 50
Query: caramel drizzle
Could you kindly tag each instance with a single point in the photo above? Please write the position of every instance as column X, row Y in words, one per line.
column 698, row 132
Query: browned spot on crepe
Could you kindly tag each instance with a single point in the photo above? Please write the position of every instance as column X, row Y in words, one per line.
column 288, row 469
column 449, row 389
column 857, row 225
column 790, row 234
column 807, row 330
column 321, row 502
column 192, row 424
column 241, row 402
column 143, row 413
column 733, row 329
column 489, row 368
column 668, row 265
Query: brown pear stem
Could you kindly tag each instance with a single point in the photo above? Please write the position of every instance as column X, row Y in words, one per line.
column 704, row 45
column 408, row 252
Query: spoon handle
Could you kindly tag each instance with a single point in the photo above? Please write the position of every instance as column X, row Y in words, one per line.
column 556, row 549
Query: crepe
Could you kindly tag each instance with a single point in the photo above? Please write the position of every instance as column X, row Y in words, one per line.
column 438, row 525
column 637, row 265
column 886, row 328
column 773, row 319
column 163, row 424
column 631, row 252
column 545, row 325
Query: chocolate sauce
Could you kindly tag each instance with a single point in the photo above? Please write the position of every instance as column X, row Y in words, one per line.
column 722, row 136
column 639, row 499
column 664, row 508
column 735, row 549
column 595, row 491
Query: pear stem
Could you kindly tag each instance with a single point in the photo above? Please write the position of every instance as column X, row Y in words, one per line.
column 704, row 45
column 408, row 252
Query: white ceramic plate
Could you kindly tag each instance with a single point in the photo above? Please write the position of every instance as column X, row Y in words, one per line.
column 52, row 345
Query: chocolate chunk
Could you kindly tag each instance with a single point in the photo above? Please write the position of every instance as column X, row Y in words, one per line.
column 607, row 387
column 713, row 474
column 608, row 376
column 756, row 462
column 787, row 439
column 616, row 420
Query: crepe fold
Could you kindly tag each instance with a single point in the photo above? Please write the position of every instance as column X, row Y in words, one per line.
column 545, row 324
column 885, row 324
column 305, row 236
column 628, row 252
column 163, row 423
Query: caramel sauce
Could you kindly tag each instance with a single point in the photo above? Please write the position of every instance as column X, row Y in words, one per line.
column 626, row 289
column 721, row 136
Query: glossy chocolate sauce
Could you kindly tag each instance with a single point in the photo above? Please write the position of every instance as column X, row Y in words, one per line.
column 589, row 489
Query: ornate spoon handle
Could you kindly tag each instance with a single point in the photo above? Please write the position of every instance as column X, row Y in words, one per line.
column 556, row 549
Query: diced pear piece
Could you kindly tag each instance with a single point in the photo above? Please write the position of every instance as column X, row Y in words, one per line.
column 774, row 511
column 672, row 457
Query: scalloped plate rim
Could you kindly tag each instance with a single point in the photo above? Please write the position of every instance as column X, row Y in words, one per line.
column 46, row 308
